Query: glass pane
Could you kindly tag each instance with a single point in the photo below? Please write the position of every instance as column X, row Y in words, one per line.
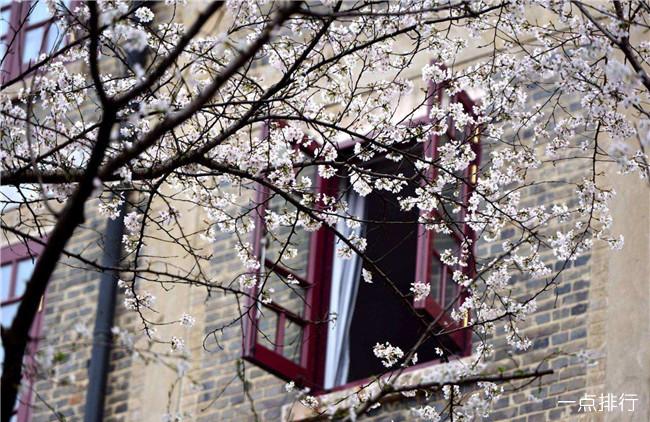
column 25, row 268
column 287, row 236
column 33, row 42
column 436, row 279
column 38, row 12
column 4, row 21
column 453, row 199
column 53, row 35
column 288, row 246
column 8, row 313
column 6, row 282
column 292, row 341
column 285, row 292
column 453, row 191
column 442, row 242
column 450, row 291
column 267, row 327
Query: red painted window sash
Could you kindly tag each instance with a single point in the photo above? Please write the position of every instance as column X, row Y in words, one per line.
column 321, row 255
column 310, row 371
column 426, row 238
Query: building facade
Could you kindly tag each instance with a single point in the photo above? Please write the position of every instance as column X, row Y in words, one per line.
column 589, row 326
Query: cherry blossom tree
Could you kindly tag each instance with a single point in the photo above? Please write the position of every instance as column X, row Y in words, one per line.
column 207, row 118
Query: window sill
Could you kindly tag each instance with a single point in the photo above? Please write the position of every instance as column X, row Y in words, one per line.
column 343, row 397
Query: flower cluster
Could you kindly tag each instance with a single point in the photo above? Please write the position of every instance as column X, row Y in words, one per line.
column 420, row 290
column 388, row 354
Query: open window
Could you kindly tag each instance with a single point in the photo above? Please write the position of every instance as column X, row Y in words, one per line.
column 17, row 263
column 378, row 312
column 322, row 325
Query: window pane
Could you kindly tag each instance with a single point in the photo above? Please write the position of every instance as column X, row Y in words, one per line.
column 450, row 292
column 6, row 282
column 33, row 43
column 289, row 248
column 4, row 22
column 292, row 341
column 289, row 238
column 439, row 290
column 442, row 242
column 25, row 268
column 267, row 327
column 436, row 278
column 53, row 35
column 38, row 12
column 284, row 292
column 8, row 313
column 453, row 191
column 453, row 194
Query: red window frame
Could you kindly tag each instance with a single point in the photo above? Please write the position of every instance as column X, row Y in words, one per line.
column 16, row 36
column 310, row 371
column 426, row 238
column 12, row 255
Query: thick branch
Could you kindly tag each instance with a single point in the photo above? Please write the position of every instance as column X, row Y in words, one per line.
column 15, row 338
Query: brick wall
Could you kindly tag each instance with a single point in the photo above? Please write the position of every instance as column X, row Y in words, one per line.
column 69, row 311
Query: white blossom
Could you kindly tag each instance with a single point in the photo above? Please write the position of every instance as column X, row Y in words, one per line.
column 144, row 14
column 388, row 354
column 420, row 290
column 187, row 320
column 427, row 413
column 366, row 275
column 177, row 344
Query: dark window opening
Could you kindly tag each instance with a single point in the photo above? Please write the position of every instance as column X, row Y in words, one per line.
column 392, row 236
